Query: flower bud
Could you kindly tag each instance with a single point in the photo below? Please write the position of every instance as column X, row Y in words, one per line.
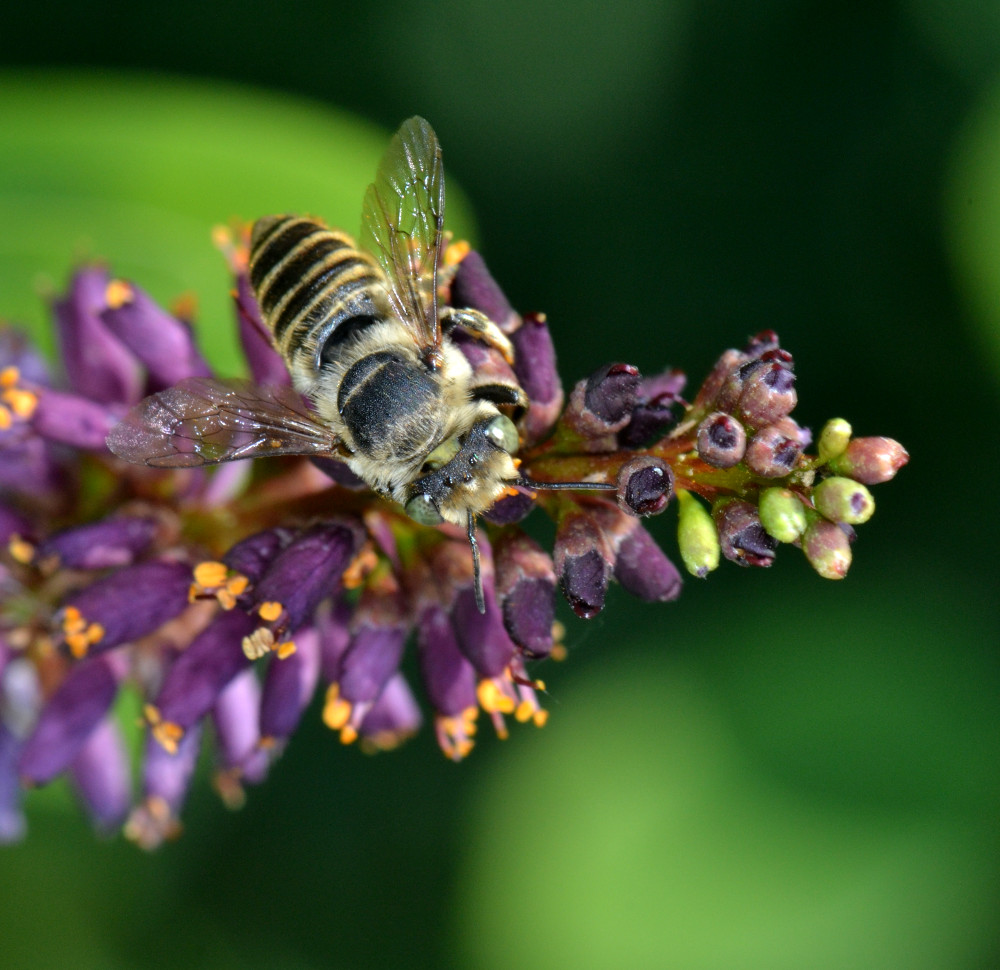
column 582, row 564
column 643, row 568
column 828, row 549
column 535, row 369
column 741, row 536
column 603, row 403
column 474, row 287
column 782, row 514
column 775, row 450
column 833, row 439
column 645, row 485
column 525, row 587
column 844, row 500
column 871, row 460
column 697, row 536
column 653, row 413
column 722, row 440
column 768, row 394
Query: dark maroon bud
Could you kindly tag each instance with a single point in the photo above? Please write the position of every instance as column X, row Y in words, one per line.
column 535, row 369
column 775, row 450
column 69, row 716
column 252, row 555
column 722, row 440
column 779, row 356
column 474, row 287
column 761, row 343
column 111, row 542
column 742, row 537
column 526, row 585
column 603, row 403
column 734, row 383
column 510, row 508
column 582, row 563
column 768, row 394
column 644, row 569
column 449, row 678
column 645, row 485
column 164, row 344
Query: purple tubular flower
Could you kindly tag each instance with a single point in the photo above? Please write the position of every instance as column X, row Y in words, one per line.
column 308, row 570
column 164, row 344
column 115, row 541
column 450, row 680
column 482, row 637
column 70, row 419
column 742, row 537
column 526, row 586
column 603, row 403
column 12, row 823
column 289, row 686
column 394, row 716
column 644, row 570
column 252, row 555
column 17, row 351
column 372, row 657
column 69, row 717
column 29, row 468
column 653, row 412
column 645, row 485
column 102, row 776
column 199, row 675
column 236, row 717
column 266, row 364
column 124, row 606
column 475, row 288
column 166, row 779
column 332, row 625
column 582, row 564
column 535, row 369
column 99, row 366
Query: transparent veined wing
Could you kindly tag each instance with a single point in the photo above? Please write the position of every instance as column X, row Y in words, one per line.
column 402, row 223
column 202, row 421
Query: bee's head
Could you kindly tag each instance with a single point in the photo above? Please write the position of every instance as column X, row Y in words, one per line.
column 466, row 473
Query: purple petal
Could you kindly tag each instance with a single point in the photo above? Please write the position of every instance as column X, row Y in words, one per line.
column 102, row 775
column 482, row 637
column 289, row 686
column 449, row 679
column 474, row 287
column 99, row 366
column 16, row 350
column 116, row 541
column 12, row 823
column 236, row 717
column 371, row 659
column 535, row 367
column 644, row 569
column 73, row 420
column 394, row 717
column 252, row 556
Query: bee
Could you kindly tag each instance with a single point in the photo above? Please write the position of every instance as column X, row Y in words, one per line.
column 367, row 344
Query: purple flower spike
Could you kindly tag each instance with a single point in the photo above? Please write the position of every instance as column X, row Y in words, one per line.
column 164, row 344
column 199, row 675
column 526, row 586
column 288, row 688
column 535, row 368
column 12, row 824
column 124, row 606
column 116, row 541
column 166, row 779
column 70, row 419
column 99, row 366
column 644, row 570
column 102, row 776
column 475, row 288
column 450, row 680
column 393, row 718
column 69, row 717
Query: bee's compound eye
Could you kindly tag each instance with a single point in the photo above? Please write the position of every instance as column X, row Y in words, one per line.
column 442, row 454
column 502, row 433
column 421, row 508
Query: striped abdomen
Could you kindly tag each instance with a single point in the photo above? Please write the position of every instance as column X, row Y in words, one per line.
column 309, row 282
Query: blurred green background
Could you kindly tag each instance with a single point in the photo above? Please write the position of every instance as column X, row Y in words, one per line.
column 776, row 771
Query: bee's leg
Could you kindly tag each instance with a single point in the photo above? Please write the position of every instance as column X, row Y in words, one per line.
column 481, row 327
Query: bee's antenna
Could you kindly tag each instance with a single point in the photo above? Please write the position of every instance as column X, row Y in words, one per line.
column 477, row 575
column 596, row 486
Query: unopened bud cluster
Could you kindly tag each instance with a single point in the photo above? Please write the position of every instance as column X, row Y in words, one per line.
column 231, row 606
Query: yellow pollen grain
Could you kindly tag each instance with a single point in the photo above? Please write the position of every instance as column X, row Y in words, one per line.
column 151, row 713
column 540, row 718
column 491, row 698
column 258, row 643
column 21, row 550
column 194, row 591
column 210, row 574
column 348, row 734
column 558, row 652
column 168, row 734
column 237, row 584
column 117, row 294
column 359, row 567
column 524, row 712
column 78, row 645
column 336, row 714
column 95, row 633
column 221, row 237
column 456, row 252
column 270, row 610
column 286, row 649
column 226, row 600
column 266, row 743
column 9, row 376
column 73, row 621
column 22, row 403
column 5, row 418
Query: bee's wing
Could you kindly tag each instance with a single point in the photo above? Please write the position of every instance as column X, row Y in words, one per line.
column 202, row 421
column 402, row 222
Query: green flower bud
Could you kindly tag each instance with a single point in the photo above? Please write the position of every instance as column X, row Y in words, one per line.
column 827, row 548
column 782, row 514
column 833, row 439
column 697, row 536
column 844, row 500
